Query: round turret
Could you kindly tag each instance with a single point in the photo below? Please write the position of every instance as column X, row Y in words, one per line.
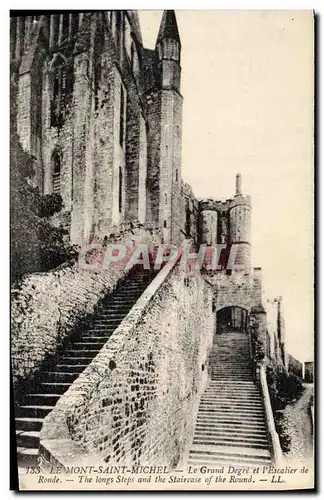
column 208, row 222
column 240, row 225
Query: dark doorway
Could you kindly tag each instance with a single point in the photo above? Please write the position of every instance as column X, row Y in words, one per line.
column 232, row 319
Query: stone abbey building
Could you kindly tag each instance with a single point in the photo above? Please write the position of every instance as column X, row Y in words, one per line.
column 102, row 116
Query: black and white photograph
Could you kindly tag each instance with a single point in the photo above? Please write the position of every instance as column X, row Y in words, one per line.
column 162, row 250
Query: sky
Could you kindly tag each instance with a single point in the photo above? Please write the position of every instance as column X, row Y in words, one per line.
column 247, row 84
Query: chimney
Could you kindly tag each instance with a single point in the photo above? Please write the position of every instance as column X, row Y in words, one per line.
column 238, row 184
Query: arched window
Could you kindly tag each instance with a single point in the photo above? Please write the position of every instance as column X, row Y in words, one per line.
column 56, row 171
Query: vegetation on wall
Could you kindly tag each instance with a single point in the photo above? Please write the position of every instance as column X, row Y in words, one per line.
column 35, row 244
column 284, row 388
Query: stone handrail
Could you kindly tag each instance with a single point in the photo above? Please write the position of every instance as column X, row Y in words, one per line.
column 273, row 435
column 56, row 445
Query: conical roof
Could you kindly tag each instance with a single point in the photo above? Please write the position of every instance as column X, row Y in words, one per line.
column 168, row 27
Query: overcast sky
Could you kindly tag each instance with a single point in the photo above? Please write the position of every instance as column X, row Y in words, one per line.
column 247, row 84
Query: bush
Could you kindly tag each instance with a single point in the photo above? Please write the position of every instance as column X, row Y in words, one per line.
column 284, row 387
column 36, row 245
column 48, row 205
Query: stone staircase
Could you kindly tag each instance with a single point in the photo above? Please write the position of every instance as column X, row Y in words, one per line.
column 76, row 357
column 231, row 427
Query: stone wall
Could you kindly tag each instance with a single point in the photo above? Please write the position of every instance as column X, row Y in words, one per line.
column 47, row 307
column 137, row 401
column 309, row 371
column 238, row 289
column 294, row 366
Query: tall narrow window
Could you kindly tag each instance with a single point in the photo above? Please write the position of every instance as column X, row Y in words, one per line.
column 97, row 80
column 56, row 169
column 118, row 28
column 98, row 47
column 54, row 30
column 65, row 27
column 120, row 190
column 74, row 25
column 132, row 56
column 62, row 88
column 122, row 117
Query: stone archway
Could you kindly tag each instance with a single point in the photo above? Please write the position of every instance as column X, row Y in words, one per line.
column 232, row 319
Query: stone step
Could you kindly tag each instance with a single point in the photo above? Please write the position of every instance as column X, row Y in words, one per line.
column 256, row 423
column 29, row 423
column 107, row 322
column 230, row 367
column 203, row 440
column 71, row 368
column 233, row 437
column 239, row 451
column 131, row 293
column 231, row 375
column 113, row 305
column 67, row 360
column 27, row 457
column 59, row 376
column 231, row 428
column 89, row 355
column 117, row 301
column 35, row 411
column 231, row 390
column 113, row 313
column 27, row 439
column 242, row 363
column 202, row 459
column 228, row 410
column 232, row 371
column 230, row 399
column 84, row 346
column 226, row 418
column 245, row 394
column 240, row 384
column 43, row 399
column 223, row 417
column 108, row 329
column 55, row 387
column 97, row 337
column 219, row 431
column 247, row 372
column 229, row 406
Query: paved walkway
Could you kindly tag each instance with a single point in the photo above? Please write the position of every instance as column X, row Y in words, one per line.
column 299, row 427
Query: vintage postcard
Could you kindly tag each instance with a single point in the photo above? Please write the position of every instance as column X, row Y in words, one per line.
column 162, row 246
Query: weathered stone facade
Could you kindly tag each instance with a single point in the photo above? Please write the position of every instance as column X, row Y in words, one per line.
column 102, row 116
